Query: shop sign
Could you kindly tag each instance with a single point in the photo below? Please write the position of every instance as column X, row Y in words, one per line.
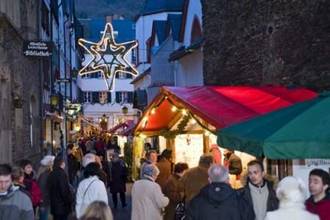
column 37, row 49
column 317, row 162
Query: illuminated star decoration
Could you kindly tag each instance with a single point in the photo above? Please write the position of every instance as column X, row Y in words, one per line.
column 108, row 57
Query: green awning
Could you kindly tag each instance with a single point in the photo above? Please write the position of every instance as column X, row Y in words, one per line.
column 298, row 132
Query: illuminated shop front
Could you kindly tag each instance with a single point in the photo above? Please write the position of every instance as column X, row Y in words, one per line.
column 185, row 119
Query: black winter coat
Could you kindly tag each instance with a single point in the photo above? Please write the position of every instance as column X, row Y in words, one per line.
column 60, row 195
column 73, row 168
column 118, row 176
column 246, row 204
column 216, row 201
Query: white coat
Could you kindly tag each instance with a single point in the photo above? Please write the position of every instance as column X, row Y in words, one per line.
column 291, row 212
column 89, row 190
column 147, row 200
column 291, row 193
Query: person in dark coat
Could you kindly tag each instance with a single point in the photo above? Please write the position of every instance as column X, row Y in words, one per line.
column 258, row 196
column 113, row 145
column 46, row 166
column 61, row 197
column 31, row 184
column 118, row 180
column 174, row 190
column 73, row 165
column 215, row 201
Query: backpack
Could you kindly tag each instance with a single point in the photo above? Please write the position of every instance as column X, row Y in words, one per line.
column 35, row 192
column 180, row 211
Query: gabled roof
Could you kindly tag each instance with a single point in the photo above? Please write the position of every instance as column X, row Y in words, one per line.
column 141, row 76
column 126, row 30
column 158, row 6
column 183, row 50
column 218, row 106
column 174, row 24
column 93, row 28
column 159, row 31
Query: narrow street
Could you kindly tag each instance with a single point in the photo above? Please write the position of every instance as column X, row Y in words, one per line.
column 122, row 213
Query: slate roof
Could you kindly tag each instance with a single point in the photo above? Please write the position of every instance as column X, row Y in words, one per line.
column 157, row 6
column 160, row 30
column 126, row 30
column 94, row 27
column 174, row 23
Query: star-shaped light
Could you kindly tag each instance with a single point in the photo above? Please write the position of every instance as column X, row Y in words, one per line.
column 108, row 57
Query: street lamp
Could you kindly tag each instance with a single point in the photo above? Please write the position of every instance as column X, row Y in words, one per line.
column 54, row 100
column 124, row 110
column 104, row 122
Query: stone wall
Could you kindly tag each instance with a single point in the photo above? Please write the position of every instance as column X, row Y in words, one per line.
column 20, row 87
column 257, row 42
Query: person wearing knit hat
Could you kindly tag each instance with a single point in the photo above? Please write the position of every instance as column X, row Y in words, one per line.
column 147, row 197
column 46, row 166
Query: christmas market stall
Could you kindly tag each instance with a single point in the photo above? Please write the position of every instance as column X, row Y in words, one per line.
column 185, row 119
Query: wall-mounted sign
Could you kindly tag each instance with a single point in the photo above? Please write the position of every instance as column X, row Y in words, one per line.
column 37, row 49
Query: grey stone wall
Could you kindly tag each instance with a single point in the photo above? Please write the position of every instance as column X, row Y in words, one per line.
column 257, row 42
column 19, row 80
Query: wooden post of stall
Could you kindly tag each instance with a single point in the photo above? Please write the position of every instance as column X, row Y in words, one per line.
column 170, row 145
column 206, row 145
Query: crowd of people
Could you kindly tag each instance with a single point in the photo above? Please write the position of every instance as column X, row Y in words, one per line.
column 71, row 185
column 75, row 185
column 174, row 192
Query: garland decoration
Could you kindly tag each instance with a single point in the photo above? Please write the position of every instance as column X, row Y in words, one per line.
column 170, row 134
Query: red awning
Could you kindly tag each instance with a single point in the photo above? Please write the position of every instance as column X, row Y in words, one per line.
column 122, row 128
column 220, row 106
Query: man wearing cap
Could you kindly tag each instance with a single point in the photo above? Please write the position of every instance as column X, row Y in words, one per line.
column 147, row 197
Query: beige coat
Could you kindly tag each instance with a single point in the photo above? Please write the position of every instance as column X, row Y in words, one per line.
column 148, row 200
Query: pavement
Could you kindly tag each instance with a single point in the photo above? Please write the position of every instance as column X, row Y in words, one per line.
column 122, row 213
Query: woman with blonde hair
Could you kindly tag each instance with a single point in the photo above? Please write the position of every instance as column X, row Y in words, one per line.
column 97, row 210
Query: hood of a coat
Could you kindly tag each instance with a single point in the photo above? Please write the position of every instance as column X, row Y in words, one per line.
column 217, row 193
column 9, row 193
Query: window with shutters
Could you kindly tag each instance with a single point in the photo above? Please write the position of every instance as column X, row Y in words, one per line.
column 124, row 97
column 103, row 97
column 87, row 97
column 95, row 97
column 118, row 97
column 109, row 97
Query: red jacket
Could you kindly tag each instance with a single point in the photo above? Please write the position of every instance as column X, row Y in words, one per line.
column 320, row 208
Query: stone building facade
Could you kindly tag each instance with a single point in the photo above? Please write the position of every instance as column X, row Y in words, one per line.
column 257, row 42
column 20, row 83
